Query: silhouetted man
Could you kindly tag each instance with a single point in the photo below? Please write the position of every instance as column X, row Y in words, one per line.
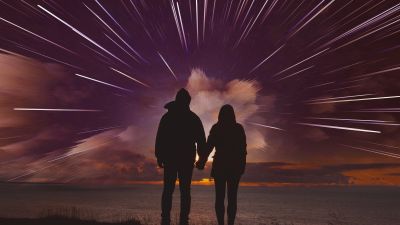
column 178, row 133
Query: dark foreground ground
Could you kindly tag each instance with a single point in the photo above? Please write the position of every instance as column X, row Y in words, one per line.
column 61, row 221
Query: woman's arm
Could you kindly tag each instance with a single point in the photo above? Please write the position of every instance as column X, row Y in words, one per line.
column 208, row 147
column 243, row 146
column 242, row 140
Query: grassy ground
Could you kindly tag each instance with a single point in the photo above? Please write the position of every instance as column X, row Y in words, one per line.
column 61, row 221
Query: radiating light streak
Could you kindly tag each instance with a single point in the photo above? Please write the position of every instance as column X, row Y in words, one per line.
column 353, row 18
column 57, row 110
column 177, row 22
column 356, row 100
column 351, row 120
column 367, row 22
column 126, row 75
column 23, row 175
column 295, row 73
column 343, row 88
column 362, row 25
column 197, row 22
column 341, row 97
column 30, row 172
column 109, row 14
column 309, row 13
column 288, row 18
column 379, row 144
column 137, row 11
column 243, row 33
column 263, row 125
column 212, row 16
column 320, row 85
column 304, row 60
column 82, row 35
column 236, row 13
column 100, row 129
column 379, row 109
column 228, row 11
column 14, row 8
column 354, row 81
column 123, row 49
column 379, row 152
column 388, row 35
column 337, row 11
column 71, row 154
column 115, row 33
column 365, row 35
column 102, row 82
column 37, row 35
column 327, row 33
column 37, row 12
column 48, row 57
column 339, row 128
column 256, row 18
column 239, row 10
column 247, row 14
column 12, row 137
column 204, row 17
column 269, row 10
column 315, row 15
column 169, row 68
column 354, row 14
column 183, row 29
column 342, row 68
column 13, row 53
column 379, row 72
column 190, row 11
column 268, row 57
column 380, row 123
column 102, row 58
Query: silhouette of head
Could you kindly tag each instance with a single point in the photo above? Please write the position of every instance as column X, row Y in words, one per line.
column 226, row 115
column 182, row 98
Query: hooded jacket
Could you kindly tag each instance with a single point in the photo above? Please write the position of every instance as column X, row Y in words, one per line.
column 180, row 133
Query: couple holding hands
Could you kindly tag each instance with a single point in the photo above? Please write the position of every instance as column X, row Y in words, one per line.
column 180, row 136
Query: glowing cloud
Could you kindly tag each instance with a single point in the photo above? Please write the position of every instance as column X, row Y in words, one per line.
column 209, row 94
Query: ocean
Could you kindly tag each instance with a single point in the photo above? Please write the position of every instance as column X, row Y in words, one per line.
column 256, row 205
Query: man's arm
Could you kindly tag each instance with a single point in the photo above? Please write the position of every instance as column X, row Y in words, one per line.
column 201, row 138
column 159, row 146
column 208, row 147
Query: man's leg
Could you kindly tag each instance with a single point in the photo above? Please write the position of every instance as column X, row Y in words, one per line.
column 170, row 173
column 233, row 186
column 220, row 186
column 185, row 180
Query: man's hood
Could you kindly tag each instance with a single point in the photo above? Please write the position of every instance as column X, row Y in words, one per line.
column 170, row 105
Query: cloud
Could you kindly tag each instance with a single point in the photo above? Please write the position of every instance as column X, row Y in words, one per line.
column 106, row 157
column 315, row 174
column 209, row 94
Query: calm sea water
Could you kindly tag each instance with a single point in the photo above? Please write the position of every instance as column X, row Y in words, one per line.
column 257, row 205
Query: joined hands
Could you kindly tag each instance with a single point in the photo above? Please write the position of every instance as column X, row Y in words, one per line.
column 200, row 164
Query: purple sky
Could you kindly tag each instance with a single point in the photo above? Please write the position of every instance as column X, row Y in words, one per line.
column 315, row 84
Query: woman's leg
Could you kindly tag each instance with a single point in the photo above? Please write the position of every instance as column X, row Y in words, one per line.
column 233, row 185
column 220, row 186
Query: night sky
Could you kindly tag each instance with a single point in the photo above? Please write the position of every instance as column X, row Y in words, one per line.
column 315, row 83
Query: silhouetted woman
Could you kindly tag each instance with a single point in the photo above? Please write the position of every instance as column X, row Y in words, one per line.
column 229, row 139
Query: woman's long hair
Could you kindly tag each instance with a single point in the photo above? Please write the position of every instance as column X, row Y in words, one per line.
column 226, row 115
